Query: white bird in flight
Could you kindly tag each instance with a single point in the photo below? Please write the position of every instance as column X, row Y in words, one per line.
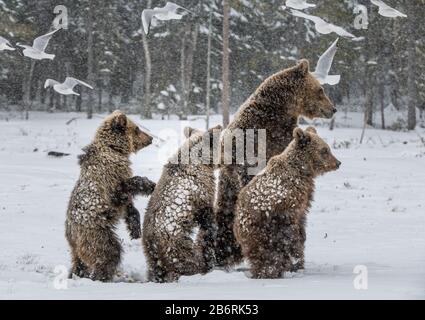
column 322, row 26
column 66, row 88
column 386, row 11
column 299, row 4
column 39, row 46
column 168, row 12
column 5, row 44
column 324, row 66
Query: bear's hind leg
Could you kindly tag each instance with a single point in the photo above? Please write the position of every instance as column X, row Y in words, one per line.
column 265, row 264
column 102, row 252
column 298, row 247
column 227, row 250
column 206, row 239
column 79, row 269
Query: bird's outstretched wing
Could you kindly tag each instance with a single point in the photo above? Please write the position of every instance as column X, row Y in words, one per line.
column 342, row 32
column 6, row 44
column 384, row 9
column 307, row 16
column 72, row 82
column 4, row 41
column 333, row 80
column 168, row 12
column 325, row 61
column 41, row 42
column 171, row 6
column 328, row 27
column 50, row 83
column 147, row 16
column 299, row 4
column 381, row 4
column 168, row 16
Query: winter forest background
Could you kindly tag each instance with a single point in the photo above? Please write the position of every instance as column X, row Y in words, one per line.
column 166, row 72
column 369, row 215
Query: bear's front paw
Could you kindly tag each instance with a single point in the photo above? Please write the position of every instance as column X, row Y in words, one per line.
column 133, row 223
column 143, row 185
column 150, row 186
column 135, row 233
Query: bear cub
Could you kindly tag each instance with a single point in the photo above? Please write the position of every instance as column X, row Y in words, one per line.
column 103, row 195
column 182, row 203
column 272, row 208
column 275, row 106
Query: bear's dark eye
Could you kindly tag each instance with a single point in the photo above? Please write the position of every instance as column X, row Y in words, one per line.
column 320, row 91
column 137, row 130
column 324, row 151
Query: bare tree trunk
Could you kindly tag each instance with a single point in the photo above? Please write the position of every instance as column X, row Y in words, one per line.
column 65, row 103
column 147, row 107
column 208, row 91
column 27, row 89
column 332, row 124
column 99, row 99
column 189, row 68
column 226, row 63
column 369, row 82
column 78, row 103
column 364, row 128
column 51, row 100
column 382, row 100
column 183, row 76
column 90, row 58
column 111, row 103
column 412, row 72
column 57, row 105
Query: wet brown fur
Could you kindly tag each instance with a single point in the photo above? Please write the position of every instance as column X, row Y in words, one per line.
column 272, row 208
column 103, row 194
column 275, row 106
column 182, row 201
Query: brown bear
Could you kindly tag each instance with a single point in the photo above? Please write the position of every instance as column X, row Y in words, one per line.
column 275, row 106
column 182, row 202
column 271, row 210
column 103, row 194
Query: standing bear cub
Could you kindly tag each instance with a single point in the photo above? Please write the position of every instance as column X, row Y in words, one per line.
column 181, row 203
column 272, row 208
column 275, row 106
column 103, row 194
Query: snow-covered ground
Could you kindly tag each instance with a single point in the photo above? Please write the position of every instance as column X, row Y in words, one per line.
column 369, row 213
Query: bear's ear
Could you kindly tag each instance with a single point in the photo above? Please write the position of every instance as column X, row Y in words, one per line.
column 311, row 130
column 303, row 67
column 216, row 128
column 301, row 137
column 188, row 131
column 119, row 121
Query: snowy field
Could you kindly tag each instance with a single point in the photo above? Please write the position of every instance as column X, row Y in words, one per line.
column 371, row 212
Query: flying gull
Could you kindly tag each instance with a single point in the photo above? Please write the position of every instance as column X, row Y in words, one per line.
column 66, row 88
column 322, row 26
column 37, row 51
column 168, row 12
column 324, row 66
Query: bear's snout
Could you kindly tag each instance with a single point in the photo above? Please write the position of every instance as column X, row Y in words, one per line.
column 338, row 164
